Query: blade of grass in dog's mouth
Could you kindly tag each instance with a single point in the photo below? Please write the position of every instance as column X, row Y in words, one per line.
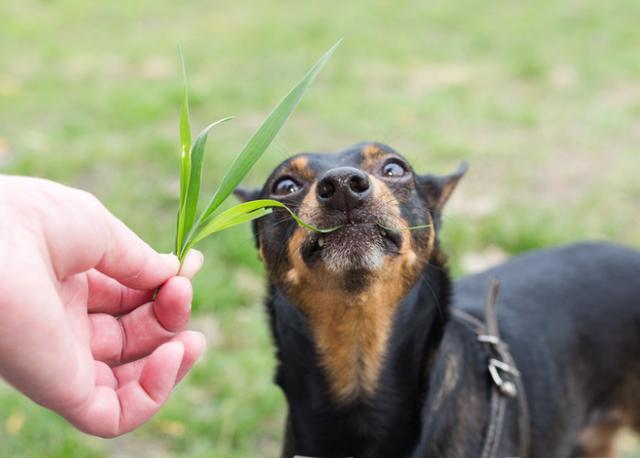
column 248, row 211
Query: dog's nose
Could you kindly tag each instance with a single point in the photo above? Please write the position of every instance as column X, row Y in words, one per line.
column 343, row 188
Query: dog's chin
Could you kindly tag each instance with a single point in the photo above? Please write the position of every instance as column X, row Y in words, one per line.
column 353, row 247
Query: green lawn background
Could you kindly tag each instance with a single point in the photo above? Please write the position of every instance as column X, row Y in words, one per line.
column 542, row 98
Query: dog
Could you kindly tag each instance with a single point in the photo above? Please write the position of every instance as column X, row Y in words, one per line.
column 381, row 354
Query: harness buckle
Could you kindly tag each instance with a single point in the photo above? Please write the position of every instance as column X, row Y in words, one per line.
column 506, row 387
column 489, row 339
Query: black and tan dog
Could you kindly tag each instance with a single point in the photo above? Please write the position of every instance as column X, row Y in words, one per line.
column 374, row 361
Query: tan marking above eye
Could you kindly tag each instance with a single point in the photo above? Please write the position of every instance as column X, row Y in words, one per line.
column 300, row 166
column 372, row 150
column 374, row 158
column 371, row 155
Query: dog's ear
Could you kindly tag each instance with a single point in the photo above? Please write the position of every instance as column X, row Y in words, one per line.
column 245, row 195
column 436, row 189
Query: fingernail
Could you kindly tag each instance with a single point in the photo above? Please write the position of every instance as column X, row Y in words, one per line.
column 200, row 256
column 171, row 259
column 202, row 343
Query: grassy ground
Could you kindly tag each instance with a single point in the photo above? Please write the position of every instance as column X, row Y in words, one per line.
column 542, row 98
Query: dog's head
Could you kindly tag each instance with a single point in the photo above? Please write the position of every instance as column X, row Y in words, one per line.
column 349, row 282
column 369, row 191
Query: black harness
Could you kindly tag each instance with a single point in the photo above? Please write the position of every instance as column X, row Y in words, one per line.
column 505, row 377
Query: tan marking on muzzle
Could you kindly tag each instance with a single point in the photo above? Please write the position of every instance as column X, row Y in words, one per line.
column 432, row 235
column 382, row 196
column 292, row 276
column 298, row 267
column 309, row 209
column 261, row 245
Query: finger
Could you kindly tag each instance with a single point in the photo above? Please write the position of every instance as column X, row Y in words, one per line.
column 109, row 296
column 89, row 236
column 192, row 264
column 194, row 344
column 131, row 261
column 172, row 306
column 110, row 413
column 138, row 333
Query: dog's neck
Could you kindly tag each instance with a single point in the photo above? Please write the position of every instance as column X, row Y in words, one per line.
column 320, row 420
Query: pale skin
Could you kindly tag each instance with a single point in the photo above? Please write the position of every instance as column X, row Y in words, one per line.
column 80, row 332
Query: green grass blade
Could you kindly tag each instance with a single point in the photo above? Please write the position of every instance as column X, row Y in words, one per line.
column 269, row 203
column 185, row 119
column 193, row 189
column 240, row 209
column 211, row 225
column 185, row 155
column 263, row 137
column 244, row 218
column 275, row 203
column 217, row 225
column 241, row 213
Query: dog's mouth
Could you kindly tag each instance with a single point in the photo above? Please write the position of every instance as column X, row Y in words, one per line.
column 353, row 246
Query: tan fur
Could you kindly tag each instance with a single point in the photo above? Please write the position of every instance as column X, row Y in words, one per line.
column 371, row 155
column 351, row 329
column 261, row 246
column 299, row 166
column 442, row 261
column 451, row 376
column 597, row 440
column 292, row 277
column 309, row 208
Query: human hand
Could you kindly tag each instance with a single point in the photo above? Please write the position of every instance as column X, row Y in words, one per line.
column 80, row 332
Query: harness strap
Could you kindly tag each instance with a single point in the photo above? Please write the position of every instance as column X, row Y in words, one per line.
column 504, row 375
column 494, row 431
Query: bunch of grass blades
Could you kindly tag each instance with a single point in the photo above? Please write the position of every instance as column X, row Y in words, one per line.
column 191, row 229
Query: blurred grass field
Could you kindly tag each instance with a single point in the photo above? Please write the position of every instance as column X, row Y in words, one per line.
column 542, row 98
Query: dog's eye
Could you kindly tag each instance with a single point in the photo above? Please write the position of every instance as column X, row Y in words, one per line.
column 285, row 186
column 393, row 169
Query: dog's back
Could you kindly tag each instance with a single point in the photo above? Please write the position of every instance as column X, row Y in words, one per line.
column 571, row 317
